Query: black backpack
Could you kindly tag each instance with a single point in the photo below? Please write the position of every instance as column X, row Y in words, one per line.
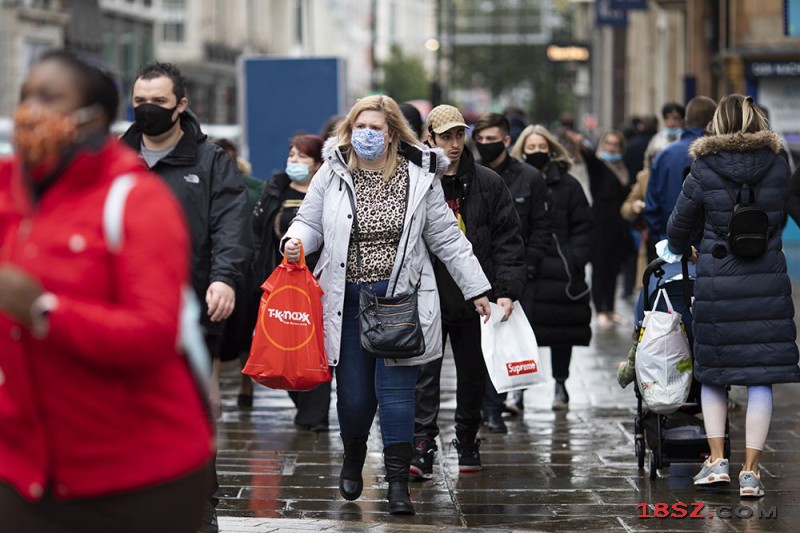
column 748, row 231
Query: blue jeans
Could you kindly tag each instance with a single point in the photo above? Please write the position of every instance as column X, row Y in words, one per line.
column 364, row 383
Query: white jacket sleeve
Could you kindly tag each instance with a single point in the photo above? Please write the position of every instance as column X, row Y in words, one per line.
column 451, row 246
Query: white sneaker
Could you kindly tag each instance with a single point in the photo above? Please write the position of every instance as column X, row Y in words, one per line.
column 716, row 473
column 750, row 484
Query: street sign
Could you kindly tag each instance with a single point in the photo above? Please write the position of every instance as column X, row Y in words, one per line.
column 629, row 4
column 606, row 15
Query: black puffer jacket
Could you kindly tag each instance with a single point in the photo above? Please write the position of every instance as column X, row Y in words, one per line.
column 493, row 229
column 265, row 243
column 611, row 232
column 743, row 312
column 214, row 199
column 529, row 192
column 558, row 303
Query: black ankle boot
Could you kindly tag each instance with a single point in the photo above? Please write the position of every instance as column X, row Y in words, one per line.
column 397, row 458
column 350, row 481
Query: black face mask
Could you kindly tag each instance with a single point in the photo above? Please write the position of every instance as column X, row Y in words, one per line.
column 153, row 119
column 490, row 151
column 537, row 160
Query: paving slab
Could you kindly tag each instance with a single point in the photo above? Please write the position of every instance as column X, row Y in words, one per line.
column 566, row 471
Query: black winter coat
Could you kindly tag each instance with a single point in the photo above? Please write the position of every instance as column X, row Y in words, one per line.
column 493, row 229
column 743, row 313
column 265, row 244
column 558, row 304
column 214, row 199
column 529, row 191
column 611, row 232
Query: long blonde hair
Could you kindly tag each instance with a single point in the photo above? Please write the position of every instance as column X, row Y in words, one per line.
column 737, row 113
column 396, row 122
column 558, row 154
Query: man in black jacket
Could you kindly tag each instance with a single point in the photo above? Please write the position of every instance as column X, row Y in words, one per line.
column 484, row 209
column 529, row 191
column 212, row 192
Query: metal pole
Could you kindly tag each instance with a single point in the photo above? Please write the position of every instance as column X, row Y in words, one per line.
column 372, row 53
column 250, row 47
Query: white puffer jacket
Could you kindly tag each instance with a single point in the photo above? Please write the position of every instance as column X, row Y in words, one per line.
column 325, row 221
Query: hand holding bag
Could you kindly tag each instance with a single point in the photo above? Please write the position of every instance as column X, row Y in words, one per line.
column 510, row 350
column 288, row 350
column 389, row 325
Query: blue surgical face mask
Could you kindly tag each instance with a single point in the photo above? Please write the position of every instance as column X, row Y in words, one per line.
column 297, row 172
column 368, row 144
column 674, row 133
column 608, row 156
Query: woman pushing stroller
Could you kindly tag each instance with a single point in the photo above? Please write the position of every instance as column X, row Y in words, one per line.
column 743, row 312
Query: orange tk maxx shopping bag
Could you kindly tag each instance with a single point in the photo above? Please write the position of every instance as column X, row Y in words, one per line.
column 288, row 350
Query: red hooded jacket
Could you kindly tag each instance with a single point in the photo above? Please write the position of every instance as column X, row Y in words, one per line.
column 105, row 402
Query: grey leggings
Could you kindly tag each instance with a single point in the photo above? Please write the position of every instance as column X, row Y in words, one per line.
column 759, row 413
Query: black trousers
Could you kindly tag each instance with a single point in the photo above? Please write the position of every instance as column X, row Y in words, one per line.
column 465, row 339
column 604, row 283
column 560, row 357
column 493, row 402
column 312, row 406
column 173, row 507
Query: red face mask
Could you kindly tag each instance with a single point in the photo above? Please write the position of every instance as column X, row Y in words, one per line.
column 42, row 136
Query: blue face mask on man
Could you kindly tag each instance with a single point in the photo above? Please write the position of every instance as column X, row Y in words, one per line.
column 297, row 172
column 673, row 133
column 368, row 144
column 608, row 156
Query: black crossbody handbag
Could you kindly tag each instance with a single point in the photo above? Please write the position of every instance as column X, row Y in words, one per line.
column 389, row 325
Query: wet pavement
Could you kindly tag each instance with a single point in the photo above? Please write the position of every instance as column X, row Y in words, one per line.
column 553, row 471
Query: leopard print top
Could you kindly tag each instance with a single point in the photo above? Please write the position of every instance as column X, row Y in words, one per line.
column 381, row 208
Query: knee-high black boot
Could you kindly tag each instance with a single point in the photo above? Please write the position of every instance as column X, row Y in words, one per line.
column 397, row 458
column 350, row 481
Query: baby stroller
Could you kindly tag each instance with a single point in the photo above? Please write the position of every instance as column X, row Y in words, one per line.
column 678, row 437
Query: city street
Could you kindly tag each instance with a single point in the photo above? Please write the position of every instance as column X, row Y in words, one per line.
column 573, row 471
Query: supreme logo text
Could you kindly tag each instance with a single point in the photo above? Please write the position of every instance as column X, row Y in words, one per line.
column 521, row 367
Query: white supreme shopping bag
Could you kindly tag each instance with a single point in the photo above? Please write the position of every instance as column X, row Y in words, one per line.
column 510, row 350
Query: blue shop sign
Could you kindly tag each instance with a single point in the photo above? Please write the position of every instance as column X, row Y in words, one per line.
column 629, row 4
column 772, row 69
column 605, row 15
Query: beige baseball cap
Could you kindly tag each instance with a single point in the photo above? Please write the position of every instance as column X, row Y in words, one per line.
column 445, row 117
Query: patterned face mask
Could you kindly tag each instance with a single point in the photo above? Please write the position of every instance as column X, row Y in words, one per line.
column 42, row 136
column 368, row 144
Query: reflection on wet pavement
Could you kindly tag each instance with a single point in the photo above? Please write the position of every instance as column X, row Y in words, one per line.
column 553, row 471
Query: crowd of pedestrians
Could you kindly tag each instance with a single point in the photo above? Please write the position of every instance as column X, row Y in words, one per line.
column 162, row 239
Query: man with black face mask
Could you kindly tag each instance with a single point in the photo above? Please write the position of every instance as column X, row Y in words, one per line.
column 209, row 187
column 484, row 210
column 529, row 190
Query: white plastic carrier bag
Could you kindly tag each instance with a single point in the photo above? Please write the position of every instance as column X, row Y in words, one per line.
column 663, row 359
column 510, row 350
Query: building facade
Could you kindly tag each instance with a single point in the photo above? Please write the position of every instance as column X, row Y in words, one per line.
column 674, row 50
column 27, row 28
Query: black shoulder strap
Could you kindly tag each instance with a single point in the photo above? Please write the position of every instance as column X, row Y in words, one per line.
column 736, row 194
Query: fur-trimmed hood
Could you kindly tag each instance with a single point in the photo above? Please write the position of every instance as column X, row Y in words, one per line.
column 739, row 157
column 331, row 152
column 735, row 142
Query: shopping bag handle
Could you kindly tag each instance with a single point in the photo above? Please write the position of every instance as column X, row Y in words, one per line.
column 300, row 264
column 663, row 293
